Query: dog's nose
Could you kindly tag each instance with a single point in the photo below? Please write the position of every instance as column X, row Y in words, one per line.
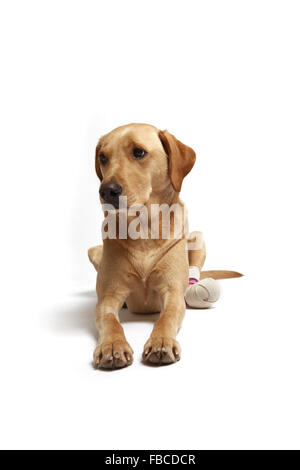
column 110, row 193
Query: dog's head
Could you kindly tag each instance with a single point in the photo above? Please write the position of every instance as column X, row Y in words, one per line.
column 140, row 162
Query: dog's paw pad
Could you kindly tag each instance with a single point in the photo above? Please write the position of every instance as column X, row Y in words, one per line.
column 161, row 350
column 113, row 355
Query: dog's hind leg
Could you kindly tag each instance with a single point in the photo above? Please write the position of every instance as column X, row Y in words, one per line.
column 196, row 249
column 95, row 255
column 203, row 288
column 200, row 293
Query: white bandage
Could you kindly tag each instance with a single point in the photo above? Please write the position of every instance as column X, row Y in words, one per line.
column 194, row 272
column 203, row 293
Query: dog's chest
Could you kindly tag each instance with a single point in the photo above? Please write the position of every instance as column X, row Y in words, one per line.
column 144, row 263
column 147, row 262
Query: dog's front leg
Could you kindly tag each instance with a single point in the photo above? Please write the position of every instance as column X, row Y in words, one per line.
column 162, row 347
column 113, row 351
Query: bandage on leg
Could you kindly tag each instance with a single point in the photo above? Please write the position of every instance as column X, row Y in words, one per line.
column 201, row 293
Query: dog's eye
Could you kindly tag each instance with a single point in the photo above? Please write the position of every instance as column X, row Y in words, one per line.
column 103, row 158
column 139, row 153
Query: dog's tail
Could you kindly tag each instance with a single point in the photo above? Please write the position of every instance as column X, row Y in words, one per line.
column 220, row 274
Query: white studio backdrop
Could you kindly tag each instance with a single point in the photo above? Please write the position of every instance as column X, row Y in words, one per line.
column 224, row 78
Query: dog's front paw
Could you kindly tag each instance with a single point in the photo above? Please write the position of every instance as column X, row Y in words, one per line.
column 113, row 354
column 161, row 350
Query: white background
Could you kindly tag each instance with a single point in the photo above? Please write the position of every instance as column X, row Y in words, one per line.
column 224, row 78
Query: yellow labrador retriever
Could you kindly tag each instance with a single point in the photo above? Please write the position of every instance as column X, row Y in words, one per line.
column 147, row 167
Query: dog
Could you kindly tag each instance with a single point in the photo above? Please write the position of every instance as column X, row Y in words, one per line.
column 147, row 167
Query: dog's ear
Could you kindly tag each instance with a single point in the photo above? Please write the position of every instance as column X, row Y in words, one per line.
column 181, row 158
column 97, row 162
